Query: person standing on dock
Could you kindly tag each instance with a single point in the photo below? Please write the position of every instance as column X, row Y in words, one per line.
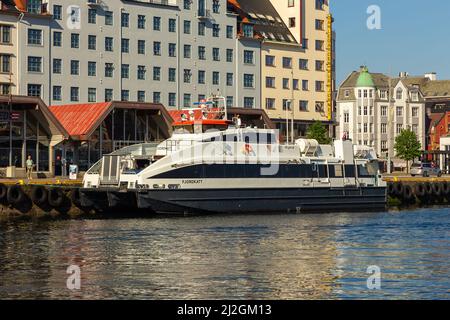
column 30, row 165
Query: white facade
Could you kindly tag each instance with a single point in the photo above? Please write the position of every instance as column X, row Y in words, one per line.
column 170, row 52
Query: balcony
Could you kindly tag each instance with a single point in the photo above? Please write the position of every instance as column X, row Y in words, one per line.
column 204, row 14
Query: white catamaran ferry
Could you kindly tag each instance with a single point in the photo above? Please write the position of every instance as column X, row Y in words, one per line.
column 213, row 165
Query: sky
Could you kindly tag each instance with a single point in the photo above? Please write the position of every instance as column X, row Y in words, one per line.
column 414, row 37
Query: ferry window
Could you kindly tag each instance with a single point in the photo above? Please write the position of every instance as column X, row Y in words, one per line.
column 336, row 171
column 230, row 138
column 251, row 138
column 265, row 138
column 306, row 171
column 322, row 171
column 350, row 171
column 363, row 172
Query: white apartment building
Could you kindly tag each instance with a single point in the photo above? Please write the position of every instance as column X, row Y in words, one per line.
column 366, row 116
column 173, row 52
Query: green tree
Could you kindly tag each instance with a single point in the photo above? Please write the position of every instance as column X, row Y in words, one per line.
column 318, row 132
column 407, row 147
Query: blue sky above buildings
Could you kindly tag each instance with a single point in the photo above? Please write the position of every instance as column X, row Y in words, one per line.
column 414, row 37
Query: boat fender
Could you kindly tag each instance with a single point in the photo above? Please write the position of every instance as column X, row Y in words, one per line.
column 3, row 192
column 55, row 197
column 419, row 190
column 445, row 188
column 407, row 192
column 428, row 189
column 75, row 197
column 15, row 195
column 39, row 195
column 398, row 188
column 390, row 188
column 437, row 191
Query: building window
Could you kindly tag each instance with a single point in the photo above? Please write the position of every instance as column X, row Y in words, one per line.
column 292, row 22
column 270, row 61
column 346, row 93
column 399, row 111
column 156, row 97
column 172, row 99
column 305, row 43
column 141, row 21
column 57, row 12
column 249, row 57
column 249, row 81
column 320, row 45
column 34, row 6
column 399, row 128
column 92, row 94
column 320, row 86
column 187, row 51
column 319, row 65
column 415, row 129
column 320, row 4
column 157, row 73
column 172, row 25
column 187, row 4
column 109, row 18
column 92, row 68
column 157, row 23
column 172, row 50
column 187, row 27
column 157, row 48
column 125, row 45
column 319, row 24
column 216, row 6
column 125, row 95
column 57, row 66
column 415, row 112
column 92, row 16
column 141, row 96
column 230, row 79
column 383, row 128
column 141, row 46
column 230, row 101
column 125, row 20
column 201, row 53
column 109, row 44
column 285, row 83
column 305, row 85
column 34, row 64
column 249, row 102
column 215, row 30
column 57, row 93
column 399, row 94
column 216, row 78
column 75, row 40
column 5, row 63
column 201, row 76
column 172, row 74
column 34, row 90
column 383, row 94
column 303, row 105
column 384, row 111
column 187, row 76
column 230, row 32
column 187, row 100
column 57, row 39
column 201, row 28
column 108, row 95
column 270, row 82
column 216, row 54
column 92, row 42
column 287, row 63
column 247, row 30
column 229, row 55
column 141, row 72
column 415, row 96
column 291, row 3
column 320, row 106
column 346, row 117
column 384, row 146
column 74, row 67
column 74, row 94
column 109, row 70
column 295, row 84
column 34, row 37
column 286, row 104
column 270, row 103
column 303, row 64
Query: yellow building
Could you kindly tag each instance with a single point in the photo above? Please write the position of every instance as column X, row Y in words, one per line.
column 297, row 64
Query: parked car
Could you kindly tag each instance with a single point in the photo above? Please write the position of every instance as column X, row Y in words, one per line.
column 425, row 170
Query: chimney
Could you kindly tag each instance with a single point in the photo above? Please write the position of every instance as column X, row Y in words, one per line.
column 431, row 76
column 403, row 74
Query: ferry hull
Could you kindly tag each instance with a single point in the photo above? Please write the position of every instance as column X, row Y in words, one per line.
column 276, row 200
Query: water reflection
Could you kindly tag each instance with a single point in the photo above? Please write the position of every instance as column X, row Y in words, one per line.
column 240, row 257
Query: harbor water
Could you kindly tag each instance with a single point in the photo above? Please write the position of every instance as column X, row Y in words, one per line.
column 324, row 256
